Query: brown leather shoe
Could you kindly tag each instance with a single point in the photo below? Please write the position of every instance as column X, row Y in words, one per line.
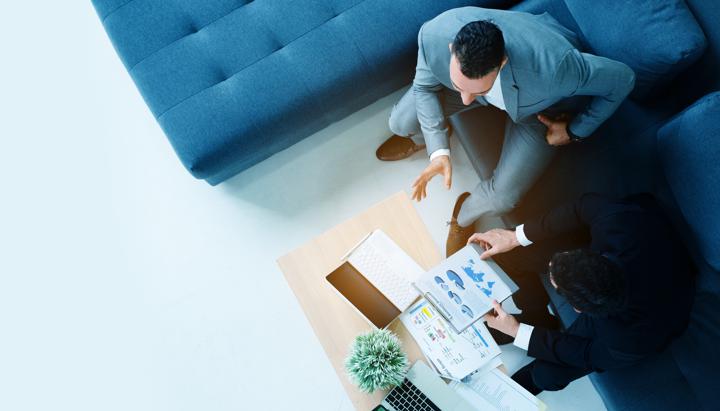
column 397, row 148
column 457, row 235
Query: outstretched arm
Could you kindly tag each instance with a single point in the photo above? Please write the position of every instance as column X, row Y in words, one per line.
column 426, row 88
column 567, row 218
column 554, row 346
column 574, row 350
column 564, row 219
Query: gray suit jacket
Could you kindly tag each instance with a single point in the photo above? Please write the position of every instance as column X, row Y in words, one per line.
column 544, row 66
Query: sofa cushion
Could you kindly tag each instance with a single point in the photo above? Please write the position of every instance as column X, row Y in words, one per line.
column 637, row 387
column 557, row 9
column 657, row 38
column 696, row 351
column 689, row 149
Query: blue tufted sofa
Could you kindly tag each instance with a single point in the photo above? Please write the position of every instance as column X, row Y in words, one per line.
column 665, row 140
column 232, row 82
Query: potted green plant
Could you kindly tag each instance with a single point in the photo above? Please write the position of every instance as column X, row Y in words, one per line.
column 376, row 361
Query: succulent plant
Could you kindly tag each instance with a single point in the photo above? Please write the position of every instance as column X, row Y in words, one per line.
column 376, row 361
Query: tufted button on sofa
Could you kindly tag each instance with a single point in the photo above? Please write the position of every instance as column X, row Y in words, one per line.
column 232, row 82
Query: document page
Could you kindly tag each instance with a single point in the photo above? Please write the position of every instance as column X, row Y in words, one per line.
column 499, row 391
column 463, row 286
column 453, row 355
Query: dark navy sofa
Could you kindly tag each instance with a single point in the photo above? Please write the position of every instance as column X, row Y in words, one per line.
column 665, row 140
column 232, row 82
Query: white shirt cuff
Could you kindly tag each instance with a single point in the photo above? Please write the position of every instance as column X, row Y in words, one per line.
column 522, row 339
column 520, row 235
column 440, row 152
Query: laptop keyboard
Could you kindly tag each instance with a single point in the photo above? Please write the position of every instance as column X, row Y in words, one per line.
column 407, row 397
column 373, row 265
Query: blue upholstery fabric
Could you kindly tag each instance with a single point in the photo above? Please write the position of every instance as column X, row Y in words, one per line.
column 233, row 81
column 703, row 75
column 696, row 351
column 556, row 8
column 657, row 38
column 689, row 150
column 655, row 384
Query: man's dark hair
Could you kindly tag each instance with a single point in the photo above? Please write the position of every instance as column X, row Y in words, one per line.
column 589, row 281
column 479, row 48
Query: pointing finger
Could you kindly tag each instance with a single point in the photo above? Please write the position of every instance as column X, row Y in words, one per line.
column 544, row 120
column 417, row 181
column 498, row 308
column 488, row 253
column 475, row 238
column 482, row 236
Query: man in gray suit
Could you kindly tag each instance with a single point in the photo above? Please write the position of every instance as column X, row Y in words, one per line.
column 526, row 65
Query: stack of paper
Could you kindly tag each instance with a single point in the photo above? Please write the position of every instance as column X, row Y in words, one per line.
column 454, row 355
column 494, row 390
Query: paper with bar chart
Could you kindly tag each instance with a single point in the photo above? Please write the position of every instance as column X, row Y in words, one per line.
column 494, row 390
column 454, row 355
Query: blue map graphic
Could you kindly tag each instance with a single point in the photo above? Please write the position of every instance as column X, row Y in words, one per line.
column 477, row 277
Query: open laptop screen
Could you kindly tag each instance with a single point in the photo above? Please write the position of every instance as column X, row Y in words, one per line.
column 363, row 295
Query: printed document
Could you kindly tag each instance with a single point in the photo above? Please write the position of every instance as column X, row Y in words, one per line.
column 494, row 390
column 454, row 355
column 462, row 287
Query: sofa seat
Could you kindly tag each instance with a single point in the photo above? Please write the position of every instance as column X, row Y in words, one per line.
column 232, row 82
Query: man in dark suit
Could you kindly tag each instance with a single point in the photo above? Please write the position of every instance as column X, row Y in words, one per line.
column 630, row 280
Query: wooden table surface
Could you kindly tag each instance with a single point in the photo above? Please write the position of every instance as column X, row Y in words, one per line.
column 334, row 321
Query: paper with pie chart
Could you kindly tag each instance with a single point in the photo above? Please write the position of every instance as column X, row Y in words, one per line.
column 463, row 286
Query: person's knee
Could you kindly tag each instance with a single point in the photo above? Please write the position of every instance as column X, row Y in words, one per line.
column 486, row 200
column 402, row 124
column 503, row 202
column 546, row 380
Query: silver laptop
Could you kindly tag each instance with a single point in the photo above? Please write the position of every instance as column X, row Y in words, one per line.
column 423, row 390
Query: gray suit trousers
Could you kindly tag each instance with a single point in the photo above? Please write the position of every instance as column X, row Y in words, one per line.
column 524, row 156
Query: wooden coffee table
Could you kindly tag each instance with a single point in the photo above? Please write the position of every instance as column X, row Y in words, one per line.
column 334, row 321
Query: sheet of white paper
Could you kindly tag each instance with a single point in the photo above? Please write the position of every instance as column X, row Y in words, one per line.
column 494, row 363
column 463, row 287
column 498, row 391
column 453, row 355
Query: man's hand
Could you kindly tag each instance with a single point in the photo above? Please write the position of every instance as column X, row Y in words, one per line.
column 502, row 321
column 495, row 241
column 557, row 134
column 439, row 165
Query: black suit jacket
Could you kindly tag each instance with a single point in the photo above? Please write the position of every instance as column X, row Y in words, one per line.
column 634, row 233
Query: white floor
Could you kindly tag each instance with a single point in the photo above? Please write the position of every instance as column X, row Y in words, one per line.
column 125, row 284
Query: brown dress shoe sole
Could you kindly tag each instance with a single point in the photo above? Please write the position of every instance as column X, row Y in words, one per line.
column 457, row 235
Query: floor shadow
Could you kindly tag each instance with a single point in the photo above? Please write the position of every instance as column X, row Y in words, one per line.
column 320, row 167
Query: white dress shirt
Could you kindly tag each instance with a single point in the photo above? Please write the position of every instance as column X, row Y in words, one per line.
column 494, row 96
column 522, row 339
